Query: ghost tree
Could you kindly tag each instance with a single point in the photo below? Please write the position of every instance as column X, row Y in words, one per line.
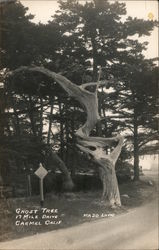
column 93, row 146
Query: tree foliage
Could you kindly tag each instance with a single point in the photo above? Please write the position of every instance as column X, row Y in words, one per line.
column 82, row 41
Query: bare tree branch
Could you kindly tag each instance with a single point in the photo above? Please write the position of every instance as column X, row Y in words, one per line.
column 90, row 145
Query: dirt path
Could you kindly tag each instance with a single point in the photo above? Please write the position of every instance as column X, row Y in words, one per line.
column 137, row 229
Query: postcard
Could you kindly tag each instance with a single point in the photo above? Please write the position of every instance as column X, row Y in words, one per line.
column 78, row 124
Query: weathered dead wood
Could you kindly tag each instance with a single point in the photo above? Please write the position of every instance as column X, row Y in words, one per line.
column 53, row 161
column 94, row 146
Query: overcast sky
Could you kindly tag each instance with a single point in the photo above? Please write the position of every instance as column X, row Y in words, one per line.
column 44, row 9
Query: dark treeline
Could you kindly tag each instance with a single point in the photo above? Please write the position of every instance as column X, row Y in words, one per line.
column 38, row 119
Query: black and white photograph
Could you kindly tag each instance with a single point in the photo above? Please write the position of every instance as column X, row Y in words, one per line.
column 79, row 109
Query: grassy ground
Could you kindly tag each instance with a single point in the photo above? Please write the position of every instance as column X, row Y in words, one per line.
column 72, row 208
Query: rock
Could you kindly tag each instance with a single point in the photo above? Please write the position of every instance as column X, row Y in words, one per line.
column 126, row 196
column 150, row 183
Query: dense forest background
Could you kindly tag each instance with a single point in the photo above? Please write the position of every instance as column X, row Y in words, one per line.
column 37, row 115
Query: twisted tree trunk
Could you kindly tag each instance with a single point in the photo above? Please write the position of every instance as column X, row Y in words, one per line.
column 53, row 161
column 94, row 146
